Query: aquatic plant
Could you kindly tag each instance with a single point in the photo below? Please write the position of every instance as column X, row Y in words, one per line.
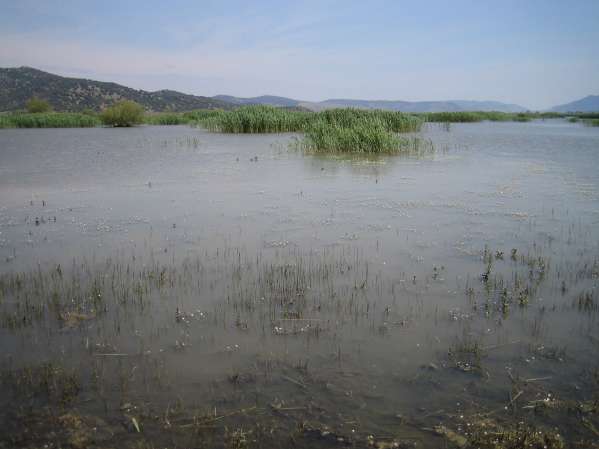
column 594, row 122
column 393, row 121
column 269, row 119
column 123, row 114
column 587, row 115
column 256, row 119
column 166, row 118
column 479, row 116
column 48, row 120
column 368, row 136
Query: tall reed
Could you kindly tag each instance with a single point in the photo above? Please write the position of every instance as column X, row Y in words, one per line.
column 48, row 120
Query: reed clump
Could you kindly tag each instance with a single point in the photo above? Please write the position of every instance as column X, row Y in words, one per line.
column 361, row 131
column 166, row 118
column 479, row 116
column 392, row 121
column 368, row 136
column 269, row 119
column 256, row 119
column 593, row 122
column 331, row 131
column 48, row 120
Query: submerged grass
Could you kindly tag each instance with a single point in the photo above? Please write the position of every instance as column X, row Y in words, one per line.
column 48, row 120
column 138, row 335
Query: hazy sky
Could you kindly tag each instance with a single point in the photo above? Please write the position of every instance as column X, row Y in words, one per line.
column 534, row 53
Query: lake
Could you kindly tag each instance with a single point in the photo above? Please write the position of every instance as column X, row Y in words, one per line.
column 171, row 287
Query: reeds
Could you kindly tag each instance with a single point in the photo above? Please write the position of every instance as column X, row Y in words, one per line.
column 331, row 131
column 167, row 118
column 268, row 119
column 256, row 119
column 48, row 120
column 479, row 116
column 367, row 136
column 392, row 121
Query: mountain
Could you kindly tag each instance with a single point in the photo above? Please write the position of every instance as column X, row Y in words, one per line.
column 586, row 104
column 404, row 106
column 17, row 85
column 488, row 106
column 264, row 99
column 417, row 106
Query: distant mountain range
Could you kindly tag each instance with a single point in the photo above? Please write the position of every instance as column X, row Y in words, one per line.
column 418, row 106
column 17, row 85
column 404, row 106
column 264, row 99
column 586, row 104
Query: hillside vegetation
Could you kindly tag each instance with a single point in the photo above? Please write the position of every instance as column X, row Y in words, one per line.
column 19, row 85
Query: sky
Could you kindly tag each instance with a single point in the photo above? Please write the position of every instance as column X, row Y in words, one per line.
column 533, row 53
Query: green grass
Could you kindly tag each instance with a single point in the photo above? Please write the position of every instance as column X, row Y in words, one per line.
column 48, row 120
column 393, row 121
column 180, row 118
column 255, row 119
column 166, row 118
column 593, row 122
column 331, row 131
column 587, row 115
column 368, row 137
column 90, row 118
column 479, row 116
column 269, row 119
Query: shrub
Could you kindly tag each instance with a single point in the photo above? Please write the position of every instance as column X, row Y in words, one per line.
column 124, row 113
column 36, row 105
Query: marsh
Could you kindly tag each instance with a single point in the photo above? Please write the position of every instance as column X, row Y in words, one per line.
column 175, row 287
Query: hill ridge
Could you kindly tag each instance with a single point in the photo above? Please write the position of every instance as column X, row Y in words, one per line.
column 19, row 84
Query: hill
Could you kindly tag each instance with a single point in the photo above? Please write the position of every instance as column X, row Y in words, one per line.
column 404, row 106
column 17, row 85
column 586, row 104
column 420, row 106
column 271, row 100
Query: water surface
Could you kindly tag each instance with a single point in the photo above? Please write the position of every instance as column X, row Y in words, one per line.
column 171, row 285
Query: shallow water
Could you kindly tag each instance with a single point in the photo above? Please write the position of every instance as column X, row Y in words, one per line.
column 233, row 279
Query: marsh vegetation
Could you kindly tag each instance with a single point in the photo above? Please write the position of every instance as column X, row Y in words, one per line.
column 48, row 120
